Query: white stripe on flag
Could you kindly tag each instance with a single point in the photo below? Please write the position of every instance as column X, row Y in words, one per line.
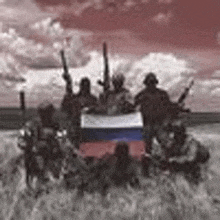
column 133, row 120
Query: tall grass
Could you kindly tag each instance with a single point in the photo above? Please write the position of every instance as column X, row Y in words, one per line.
column 158, row 198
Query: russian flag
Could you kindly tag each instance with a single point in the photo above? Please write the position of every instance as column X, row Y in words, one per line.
column 100, row 133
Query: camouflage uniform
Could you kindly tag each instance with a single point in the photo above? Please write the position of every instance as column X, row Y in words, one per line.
column 120, row 99
column 184, row 153
column 73, row 104
column 74, row 169
column 38, row 140
column 154, row 105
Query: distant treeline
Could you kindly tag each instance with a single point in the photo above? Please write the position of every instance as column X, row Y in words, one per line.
column 11, row 118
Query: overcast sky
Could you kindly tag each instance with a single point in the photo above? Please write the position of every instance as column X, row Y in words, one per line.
column 177, row 39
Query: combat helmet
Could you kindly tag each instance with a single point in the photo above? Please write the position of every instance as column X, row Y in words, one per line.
column 85, row 84
column 150, row 79
column 118, row 78
column 45, row 107
column 85, row 81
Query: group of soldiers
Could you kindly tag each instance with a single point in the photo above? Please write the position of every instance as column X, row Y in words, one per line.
column 47, row 147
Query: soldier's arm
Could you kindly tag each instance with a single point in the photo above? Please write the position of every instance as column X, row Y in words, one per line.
column 129, row 98
column 165, row 97
column 66, row 103
column 69, row 89
column 63, row 103
column 138, row 99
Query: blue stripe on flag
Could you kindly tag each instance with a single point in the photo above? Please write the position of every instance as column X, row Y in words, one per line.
column 114, row 134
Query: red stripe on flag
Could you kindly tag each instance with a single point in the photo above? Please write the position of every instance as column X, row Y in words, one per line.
column 99, row 149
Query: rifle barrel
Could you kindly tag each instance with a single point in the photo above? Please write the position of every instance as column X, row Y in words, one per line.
column 106, row 71
column 104, row 49
column 66, row 74
column 185, row 93
column 22, row 105
column 64, row 61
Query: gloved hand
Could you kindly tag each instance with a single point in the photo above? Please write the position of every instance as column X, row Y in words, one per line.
column 66, row 77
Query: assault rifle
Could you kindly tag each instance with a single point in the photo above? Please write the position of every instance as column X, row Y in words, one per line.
column 185, row 94
column 178, row 107
column 106, row 80
column 66, row 75
column 22, row 106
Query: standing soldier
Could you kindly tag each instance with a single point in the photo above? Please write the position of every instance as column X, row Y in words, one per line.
column 73, row 104
column 153, row 104
column 38, row 140
column 86, row 99
column 119, row 100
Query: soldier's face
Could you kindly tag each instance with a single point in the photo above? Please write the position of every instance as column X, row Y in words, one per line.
column 152, row 85
column 117, row 84
column 85, row 86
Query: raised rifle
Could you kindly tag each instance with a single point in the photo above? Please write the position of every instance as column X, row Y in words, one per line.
column 22, row 106
column 178, row 107
column 106, row 80
column 184, row 95
column 66, row 75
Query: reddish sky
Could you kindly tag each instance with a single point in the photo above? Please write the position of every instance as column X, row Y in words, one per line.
column 181, row 23
column 188, row 29
column 130, row 26
column 185, row 27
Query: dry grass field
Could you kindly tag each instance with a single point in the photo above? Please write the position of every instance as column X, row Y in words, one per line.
column 159, row 198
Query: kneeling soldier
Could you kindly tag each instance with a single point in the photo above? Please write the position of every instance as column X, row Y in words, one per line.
column 183, row 152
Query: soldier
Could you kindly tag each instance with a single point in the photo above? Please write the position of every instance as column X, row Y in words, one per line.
column 119, row 100
column 125, row 169
column 153, row 104
column 183, row 152
column 38, row 140
column 74, row 169
column 86, row 99
column 73, row 104
column 120, row 168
